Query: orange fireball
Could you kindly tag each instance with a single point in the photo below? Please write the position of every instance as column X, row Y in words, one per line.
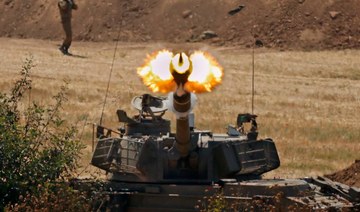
column 199, row 72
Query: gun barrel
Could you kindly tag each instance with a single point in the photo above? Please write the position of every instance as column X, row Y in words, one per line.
column 182, row 104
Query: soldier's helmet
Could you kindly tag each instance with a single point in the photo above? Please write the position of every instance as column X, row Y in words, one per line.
column 63, row 4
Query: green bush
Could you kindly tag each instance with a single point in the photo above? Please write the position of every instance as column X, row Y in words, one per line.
column 38, row 150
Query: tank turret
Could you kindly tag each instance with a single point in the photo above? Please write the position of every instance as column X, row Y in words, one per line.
column 153, row 155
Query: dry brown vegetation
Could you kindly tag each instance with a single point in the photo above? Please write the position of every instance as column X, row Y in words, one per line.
column 308, row 102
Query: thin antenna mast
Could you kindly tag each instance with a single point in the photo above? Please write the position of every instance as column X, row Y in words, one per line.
column 253, row 62
column 253, row 75
column 111, row 69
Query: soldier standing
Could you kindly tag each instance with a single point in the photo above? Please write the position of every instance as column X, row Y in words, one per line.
column 65, row 8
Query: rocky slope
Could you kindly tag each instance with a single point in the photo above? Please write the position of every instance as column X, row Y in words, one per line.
column 286, row 24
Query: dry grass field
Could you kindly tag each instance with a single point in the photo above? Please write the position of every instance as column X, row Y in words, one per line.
column 308, row 102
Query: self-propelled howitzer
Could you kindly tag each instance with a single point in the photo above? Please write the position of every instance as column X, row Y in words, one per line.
column 152, row 169
column 146, row 154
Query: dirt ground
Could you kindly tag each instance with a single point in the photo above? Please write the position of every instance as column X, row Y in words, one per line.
column 349, row 176
column 284, row 24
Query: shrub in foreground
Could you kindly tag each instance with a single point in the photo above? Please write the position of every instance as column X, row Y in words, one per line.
column 38, row 152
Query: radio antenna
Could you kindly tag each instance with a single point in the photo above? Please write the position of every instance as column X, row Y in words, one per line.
column 253, row 75
column 253, row 64
column 111, row 69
